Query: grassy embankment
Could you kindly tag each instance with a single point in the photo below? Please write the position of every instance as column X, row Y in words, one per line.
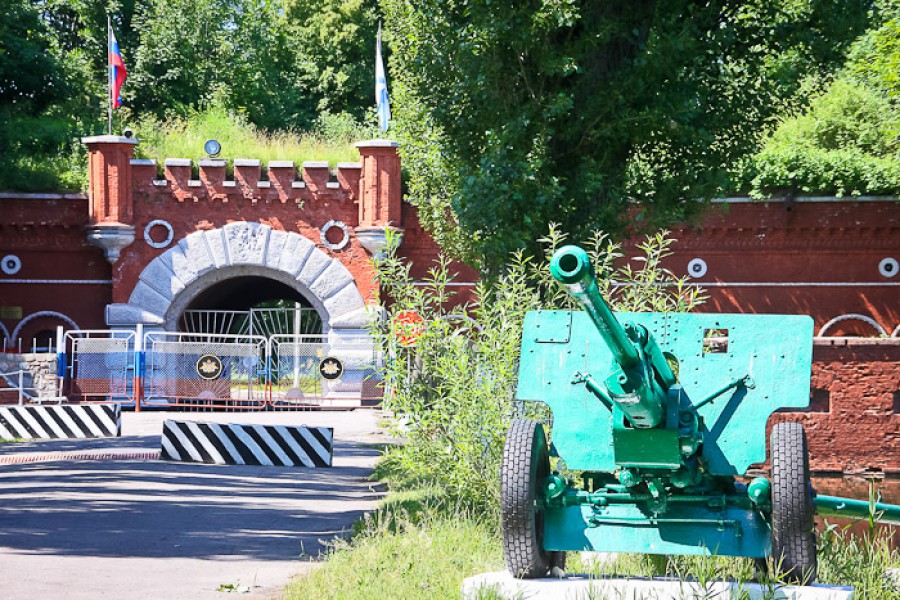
column 420, row 544
column 185, row 138
column 56, row 161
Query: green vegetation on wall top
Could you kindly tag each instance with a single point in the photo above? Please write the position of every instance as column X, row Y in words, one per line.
column 332, row 139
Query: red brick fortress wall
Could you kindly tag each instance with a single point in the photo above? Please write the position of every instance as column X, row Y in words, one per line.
column 824, row 257
column 853, row 422
column 53, row 268
column 286, row 200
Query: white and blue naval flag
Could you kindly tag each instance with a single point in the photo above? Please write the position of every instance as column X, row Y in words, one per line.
column 381, row 93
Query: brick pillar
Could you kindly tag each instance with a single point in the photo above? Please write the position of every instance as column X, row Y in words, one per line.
column 380, row 207
column 110, row 196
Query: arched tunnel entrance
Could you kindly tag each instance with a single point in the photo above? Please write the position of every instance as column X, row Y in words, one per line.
column 250, row 304
column 275, row 290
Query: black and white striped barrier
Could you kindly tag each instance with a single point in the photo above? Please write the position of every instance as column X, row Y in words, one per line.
column 63, row 421
column 224, row 444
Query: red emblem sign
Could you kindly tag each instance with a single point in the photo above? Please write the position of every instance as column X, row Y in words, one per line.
column 408, row 327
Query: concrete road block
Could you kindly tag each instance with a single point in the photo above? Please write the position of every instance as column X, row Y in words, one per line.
column 60, row 421
column 231, row 444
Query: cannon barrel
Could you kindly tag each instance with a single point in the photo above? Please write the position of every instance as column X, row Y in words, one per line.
column 834, row 506
column 571, row 266
column 638, row 384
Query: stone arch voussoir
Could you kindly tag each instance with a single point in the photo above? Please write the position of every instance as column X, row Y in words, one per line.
column 172, row 279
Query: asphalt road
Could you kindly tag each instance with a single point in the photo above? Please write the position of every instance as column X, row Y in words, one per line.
column 126, row 529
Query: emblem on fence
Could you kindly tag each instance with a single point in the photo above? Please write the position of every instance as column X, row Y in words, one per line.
column 331, row 368
column 209, row 366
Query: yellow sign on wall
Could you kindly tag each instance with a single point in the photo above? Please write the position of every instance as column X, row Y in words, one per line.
column 10, row 312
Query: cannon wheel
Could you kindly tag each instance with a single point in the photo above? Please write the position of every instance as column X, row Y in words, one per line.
column 793, row 533
column 526, row 463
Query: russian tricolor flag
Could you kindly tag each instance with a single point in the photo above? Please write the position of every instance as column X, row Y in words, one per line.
column 117, row 72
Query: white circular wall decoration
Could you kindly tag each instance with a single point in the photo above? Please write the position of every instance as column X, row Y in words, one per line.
column 888, row 267
column 344, row 240
column 170, row 233
column 11, row 264
column 697, row 267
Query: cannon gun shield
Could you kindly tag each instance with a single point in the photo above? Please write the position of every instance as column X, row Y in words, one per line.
column 712, row 350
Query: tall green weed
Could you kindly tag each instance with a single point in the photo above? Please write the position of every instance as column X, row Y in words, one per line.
column 453, row 392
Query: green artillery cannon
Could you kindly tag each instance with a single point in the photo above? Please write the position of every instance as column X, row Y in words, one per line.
column 660, row 416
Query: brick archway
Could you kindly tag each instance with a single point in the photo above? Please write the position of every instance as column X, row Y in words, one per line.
column 172, row 280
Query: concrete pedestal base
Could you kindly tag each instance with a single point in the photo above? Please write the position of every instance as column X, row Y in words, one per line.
column 579, row 587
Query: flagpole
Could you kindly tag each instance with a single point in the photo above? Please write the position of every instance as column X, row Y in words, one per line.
column 109, row 73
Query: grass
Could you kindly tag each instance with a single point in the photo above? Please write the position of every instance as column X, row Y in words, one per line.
column 418, row 544
column 184, row 138
column 45, row 153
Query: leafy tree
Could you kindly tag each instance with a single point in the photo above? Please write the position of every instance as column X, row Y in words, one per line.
column 594, row 114
column 24, row 41
column 181, row 62
column 261, row 76
column 874, row 59
column 249, row 56
column 848, row 140
column 335, row 43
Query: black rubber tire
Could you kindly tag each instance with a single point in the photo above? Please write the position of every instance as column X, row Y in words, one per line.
column 793, row 508
column 526, row 463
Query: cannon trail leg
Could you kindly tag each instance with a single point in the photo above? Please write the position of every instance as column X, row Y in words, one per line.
column 526, row 464
column 793, row 535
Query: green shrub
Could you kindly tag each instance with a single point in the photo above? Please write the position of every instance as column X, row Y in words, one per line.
column 848, row 141
column 42, row 153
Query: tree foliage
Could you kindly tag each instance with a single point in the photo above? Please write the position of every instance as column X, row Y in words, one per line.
column 280, row 63
column 337, row 42
column 608, row 114
column 237, row 54
column 181, row 59
column 848, row 140
column 23, row 41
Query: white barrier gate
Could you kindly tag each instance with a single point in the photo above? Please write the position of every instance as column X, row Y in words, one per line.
column 316, row 371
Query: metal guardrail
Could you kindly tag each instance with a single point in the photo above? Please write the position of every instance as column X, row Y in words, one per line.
column 19, row 386
column 206, row 371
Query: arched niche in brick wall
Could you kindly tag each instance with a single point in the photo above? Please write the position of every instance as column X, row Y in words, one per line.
column 204, row 259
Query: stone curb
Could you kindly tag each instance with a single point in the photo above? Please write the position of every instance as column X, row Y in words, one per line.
column 581, row 586
column 33, row 457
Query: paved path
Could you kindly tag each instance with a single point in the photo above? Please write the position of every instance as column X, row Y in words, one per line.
column 145, row 529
